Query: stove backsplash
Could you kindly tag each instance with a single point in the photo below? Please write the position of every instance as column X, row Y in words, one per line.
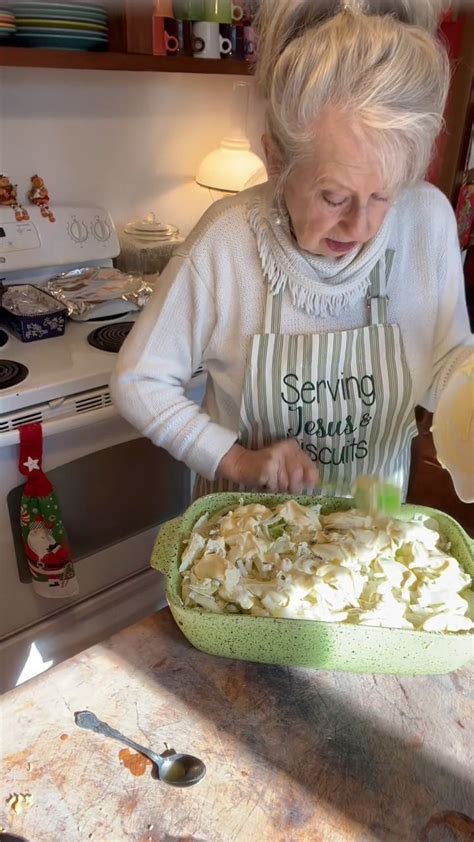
column 130, row 142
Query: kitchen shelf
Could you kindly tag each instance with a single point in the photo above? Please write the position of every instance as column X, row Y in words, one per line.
column 32, row 57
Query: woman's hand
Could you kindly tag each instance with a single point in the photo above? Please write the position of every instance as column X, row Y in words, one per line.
column 282, row 467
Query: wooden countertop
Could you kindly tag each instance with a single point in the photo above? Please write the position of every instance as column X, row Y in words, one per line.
column 291, row 754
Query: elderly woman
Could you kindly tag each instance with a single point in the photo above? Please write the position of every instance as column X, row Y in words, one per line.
column 327, row 303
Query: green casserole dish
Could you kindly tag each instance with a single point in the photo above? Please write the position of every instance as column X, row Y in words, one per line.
column 311, row 643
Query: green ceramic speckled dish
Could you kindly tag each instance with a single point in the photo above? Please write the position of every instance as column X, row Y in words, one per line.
column 309, row 643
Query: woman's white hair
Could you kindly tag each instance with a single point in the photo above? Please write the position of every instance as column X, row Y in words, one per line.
column 377, row 61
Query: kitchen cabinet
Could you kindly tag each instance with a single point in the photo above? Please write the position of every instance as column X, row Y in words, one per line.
column 430, row 484
column 448, row 166
column 28, row 57
column 130, row 48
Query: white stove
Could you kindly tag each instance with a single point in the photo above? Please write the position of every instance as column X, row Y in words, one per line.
column 32, row 252
column 98, row 464
column 56, row 367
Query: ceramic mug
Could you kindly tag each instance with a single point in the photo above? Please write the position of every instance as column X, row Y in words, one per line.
column 182, row 30
column 234, row 34
column 245, row 18
column 208, row 42
column 222, row 11
column 188, row 9
column 250, row 43
column 163, row 43
column 164, row 8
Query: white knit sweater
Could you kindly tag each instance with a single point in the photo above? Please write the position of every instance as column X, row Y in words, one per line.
column 210, row 300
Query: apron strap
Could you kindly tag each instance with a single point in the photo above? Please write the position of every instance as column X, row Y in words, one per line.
column 377, row 292
column 273, row 307
column 376, row 296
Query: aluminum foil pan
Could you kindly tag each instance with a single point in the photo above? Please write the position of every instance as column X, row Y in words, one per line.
column 28, row 300
column 30, row 313
column 89, row 292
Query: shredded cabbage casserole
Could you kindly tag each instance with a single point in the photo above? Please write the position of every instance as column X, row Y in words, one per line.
column 292, row 561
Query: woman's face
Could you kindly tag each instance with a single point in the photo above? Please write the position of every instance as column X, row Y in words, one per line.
column 336, row 198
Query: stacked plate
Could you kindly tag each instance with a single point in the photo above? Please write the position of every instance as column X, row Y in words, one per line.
column 7, row 24
column 60, row 26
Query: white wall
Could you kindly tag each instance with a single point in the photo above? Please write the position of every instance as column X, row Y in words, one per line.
column 128, row 141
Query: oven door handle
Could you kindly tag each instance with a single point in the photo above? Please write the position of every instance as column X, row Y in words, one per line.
column 64, row 425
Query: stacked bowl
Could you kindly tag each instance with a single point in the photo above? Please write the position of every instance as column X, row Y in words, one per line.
column 60, row 26
column 7, row 24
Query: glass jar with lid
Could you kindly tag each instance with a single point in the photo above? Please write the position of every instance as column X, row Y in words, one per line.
column 146, row 245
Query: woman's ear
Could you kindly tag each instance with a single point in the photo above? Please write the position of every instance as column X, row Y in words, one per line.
column 272, row 157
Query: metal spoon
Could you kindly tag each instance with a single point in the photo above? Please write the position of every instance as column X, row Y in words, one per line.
column 174, row 769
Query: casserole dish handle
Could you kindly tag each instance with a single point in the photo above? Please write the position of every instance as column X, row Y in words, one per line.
column 166, row 546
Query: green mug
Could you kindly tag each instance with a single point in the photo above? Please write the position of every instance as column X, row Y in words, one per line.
column 188, row 9
column 222, row 11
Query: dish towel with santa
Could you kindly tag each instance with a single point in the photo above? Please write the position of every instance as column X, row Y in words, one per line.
column 44, row 537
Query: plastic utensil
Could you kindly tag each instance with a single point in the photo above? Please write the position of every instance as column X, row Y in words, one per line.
column 374, row 495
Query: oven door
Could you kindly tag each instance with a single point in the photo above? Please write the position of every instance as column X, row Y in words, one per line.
column 115, row 489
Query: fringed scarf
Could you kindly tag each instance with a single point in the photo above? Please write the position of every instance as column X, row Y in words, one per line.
column 318, row 285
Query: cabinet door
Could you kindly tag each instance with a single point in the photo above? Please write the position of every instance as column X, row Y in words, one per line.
column 446, row 171
column 430, row 484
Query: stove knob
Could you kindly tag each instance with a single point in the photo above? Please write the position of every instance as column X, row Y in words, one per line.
column 78, row 231
column 101, row 230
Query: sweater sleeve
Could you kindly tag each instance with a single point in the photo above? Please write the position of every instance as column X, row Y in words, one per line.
column 453, row 340
column 155, row 364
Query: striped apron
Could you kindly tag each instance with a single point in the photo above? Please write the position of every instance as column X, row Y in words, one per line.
column 345, row 397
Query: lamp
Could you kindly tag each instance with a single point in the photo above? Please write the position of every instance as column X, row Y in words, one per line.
column 233, row 166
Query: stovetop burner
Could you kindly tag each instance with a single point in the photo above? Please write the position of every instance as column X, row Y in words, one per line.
column 110, row 337
column 3, row 338
column 11, row 373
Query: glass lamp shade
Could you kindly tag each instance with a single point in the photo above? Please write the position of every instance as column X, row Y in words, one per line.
column 233, row 166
